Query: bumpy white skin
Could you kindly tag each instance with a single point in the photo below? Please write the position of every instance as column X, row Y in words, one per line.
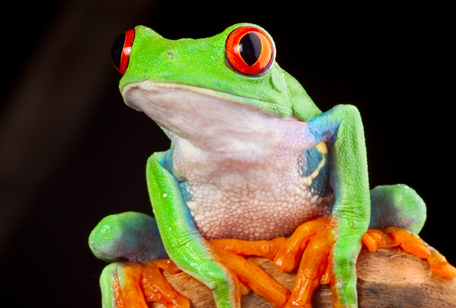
column 238, row 166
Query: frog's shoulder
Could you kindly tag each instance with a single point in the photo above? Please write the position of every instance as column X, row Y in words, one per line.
column 302, row 105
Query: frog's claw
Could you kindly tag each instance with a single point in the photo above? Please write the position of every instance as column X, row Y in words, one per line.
column 392, row 237
column 134, row 285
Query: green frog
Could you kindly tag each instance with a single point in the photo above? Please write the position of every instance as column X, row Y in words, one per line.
column 253, row 159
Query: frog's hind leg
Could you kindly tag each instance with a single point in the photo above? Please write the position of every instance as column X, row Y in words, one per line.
column 397, row 205
column 397, row 216
column 131, row 240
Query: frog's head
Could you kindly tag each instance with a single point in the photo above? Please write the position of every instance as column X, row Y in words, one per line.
column 236, row 66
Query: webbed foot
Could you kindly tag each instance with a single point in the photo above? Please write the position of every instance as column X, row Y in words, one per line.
column 127, row 284
column 392, row 237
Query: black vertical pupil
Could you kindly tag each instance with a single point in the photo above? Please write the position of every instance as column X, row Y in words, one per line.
column 116, row 50
column 250, row 48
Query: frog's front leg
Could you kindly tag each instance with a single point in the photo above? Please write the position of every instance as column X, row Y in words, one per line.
column 183, row 243
column 331, row 253
column 351, row 212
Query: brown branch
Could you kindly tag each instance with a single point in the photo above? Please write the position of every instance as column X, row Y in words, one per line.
column 386, row 278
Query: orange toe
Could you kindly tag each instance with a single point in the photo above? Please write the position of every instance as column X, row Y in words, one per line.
column 287, row 258
column 131, row 293
column 139, row 284
column 374, row 239
column 409, row 242
column 157, row 288
column 265, row 249
column 167, row 265
column 392, row 237
column 313, row 269
column 440, row 265
column 254, row 277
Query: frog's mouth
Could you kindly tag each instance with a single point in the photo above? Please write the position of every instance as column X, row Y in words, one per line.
column 190, row 111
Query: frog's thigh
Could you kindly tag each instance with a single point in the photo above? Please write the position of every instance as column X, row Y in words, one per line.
column 130, row 235
column 397, row 206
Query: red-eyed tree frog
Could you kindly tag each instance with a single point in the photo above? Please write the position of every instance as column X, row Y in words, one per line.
column 255, row 168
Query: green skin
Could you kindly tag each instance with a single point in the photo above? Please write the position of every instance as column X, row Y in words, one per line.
column 200, row 66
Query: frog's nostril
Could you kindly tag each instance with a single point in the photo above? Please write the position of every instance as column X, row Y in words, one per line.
column 120, row 50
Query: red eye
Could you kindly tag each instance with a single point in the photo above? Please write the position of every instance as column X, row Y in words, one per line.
column 249, row 51
column 120, row 51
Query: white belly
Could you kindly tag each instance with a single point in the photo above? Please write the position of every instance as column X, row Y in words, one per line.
column 255, row 204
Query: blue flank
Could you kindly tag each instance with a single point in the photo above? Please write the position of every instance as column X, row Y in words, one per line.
column 308, row 163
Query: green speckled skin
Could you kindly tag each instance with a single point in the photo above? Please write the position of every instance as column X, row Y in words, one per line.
column 199, row 66
column 282, row 95
column 184, row 244
column 397, row 205
column 351, row 186
column 116, row 238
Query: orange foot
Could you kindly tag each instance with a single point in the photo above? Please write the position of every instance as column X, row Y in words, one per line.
column 231, row 252
column 134, row 285
column 313, row 238
column 392, row 237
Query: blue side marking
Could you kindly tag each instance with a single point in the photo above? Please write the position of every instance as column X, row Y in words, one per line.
column 309, row 162
column 167, row 161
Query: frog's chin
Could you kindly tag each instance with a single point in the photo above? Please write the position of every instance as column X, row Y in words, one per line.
column 153, row 87
column 198, row 113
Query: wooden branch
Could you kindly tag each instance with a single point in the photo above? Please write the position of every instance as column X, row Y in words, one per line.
column 386, row 278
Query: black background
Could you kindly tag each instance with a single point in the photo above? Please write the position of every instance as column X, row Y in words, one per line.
column 391, row 62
